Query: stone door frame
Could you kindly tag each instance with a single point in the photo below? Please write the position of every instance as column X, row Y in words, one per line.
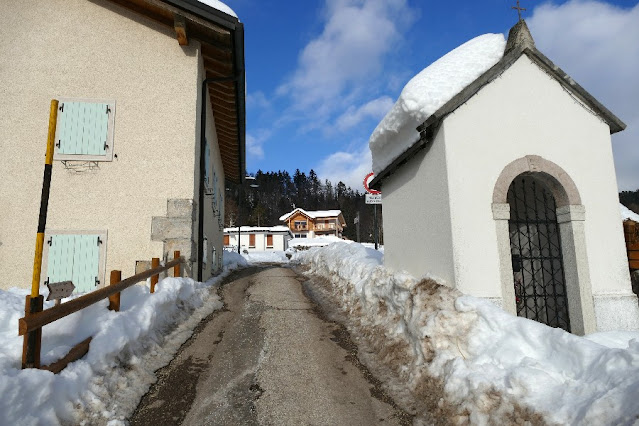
column 570, row 216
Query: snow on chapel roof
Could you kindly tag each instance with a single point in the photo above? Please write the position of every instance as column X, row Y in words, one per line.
column 216, row 4
column 428, row 91
column 449, row 82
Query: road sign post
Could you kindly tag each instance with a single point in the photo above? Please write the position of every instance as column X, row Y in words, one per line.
column 373, row 197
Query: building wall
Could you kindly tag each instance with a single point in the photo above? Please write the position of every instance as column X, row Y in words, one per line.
column 526, row 112
column 280, row 241
column 93, row 50
column 417, row 226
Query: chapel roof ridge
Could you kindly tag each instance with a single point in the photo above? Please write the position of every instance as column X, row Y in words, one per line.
column 519, row 37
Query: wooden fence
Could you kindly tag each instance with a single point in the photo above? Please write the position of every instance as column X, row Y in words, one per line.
column 631, row 233
column 35, row 318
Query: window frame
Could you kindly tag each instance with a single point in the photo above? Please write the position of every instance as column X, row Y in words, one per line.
column 108, row 156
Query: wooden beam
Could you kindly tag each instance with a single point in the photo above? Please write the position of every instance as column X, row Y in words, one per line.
column 224, row 67
column 179, row 24
column 225, row 116
column 225, row 95
column 226, row 136
column 77, row 352
column 216, row 51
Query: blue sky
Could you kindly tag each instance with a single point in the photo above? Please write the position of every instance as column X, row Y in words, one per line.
column 321, row 74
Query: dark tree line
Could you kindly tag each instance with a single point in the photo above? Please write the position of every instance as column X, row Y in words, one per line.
column 630, row 199
column 262, row 201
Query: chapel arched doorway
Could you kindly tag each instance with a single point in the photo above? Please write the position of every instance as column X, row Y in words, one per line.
column 537, row 260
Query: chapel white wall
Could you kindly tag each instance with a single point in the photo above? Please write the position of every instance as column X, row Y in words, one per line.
column 94, row 50
column 417, row 226
column 526, row 112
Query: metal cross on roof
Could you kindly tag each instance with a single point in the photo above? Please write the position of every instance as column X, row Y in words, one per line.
column 519, row 9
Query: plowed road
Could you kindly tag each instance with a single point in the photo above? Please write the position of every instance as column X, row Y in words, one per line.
column 267, row 358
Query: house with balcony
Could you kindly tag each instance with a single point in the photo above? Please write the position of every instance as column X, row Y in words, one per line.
column 312, row 224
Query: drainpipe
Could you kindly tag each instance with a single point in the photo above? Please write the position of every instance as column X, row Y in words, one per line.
column 200, row 231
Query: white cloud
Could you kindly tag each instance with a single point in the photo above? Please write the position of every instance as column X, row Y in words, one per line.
column 357, row 36
column 348, row 167
column 377, row 109
column 255, row 144
column 257, row 100
column 598, row 45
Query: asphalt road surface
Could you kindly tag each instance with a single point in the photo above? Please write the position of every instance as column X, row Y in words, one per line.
column 267, row 358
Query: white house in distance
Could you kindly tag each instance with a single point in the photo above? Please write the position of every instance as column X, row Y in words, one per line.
column 258, row 238
column 315, row 223
column 150, row 124
column 500, row 180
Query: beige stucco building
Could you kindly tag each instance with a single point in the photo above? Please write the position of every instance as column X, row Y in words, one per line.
column 509, row 193
column 129, row 182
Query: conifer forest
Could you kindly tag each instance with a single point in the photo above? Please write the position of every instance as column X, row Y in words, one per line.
column 263, row 200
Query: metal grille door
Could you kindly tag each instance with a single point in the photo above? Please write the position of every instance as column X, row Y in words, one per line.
column 540, row 287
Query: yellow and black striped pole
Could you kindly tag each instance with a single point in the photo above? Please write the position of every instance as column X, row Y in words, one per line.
column 44, row 200
column 34, row 302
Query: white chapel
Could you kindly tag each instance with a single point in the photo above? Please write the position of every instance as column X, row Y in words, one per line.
column 497, row 174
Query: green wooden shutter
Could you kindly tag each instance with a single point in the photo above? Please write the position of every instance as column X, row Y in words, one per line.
column 86, row 259
column 82, row 128
column 60, row 263
column 75, row 258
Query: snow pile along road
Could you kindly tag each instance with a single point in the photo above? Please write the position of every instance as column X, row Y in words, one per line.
column 127, row 347
column 490, row 366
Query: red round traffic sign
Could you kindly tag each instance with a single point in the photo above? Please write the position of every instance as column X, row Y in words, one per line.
column 369, row 177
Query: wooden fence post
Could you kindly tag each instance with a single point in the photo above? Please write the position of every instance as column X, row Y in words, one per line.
column 176, row 268
column 33, row 339
column 155, row 262
column 114, row 299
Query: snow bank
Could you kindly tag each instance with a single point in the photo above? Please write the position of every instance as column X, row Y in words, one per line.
column 127, row 347
column 315, row 242
column 626, row 214
column 272, row 256
column 430, row 90
column 493, row 367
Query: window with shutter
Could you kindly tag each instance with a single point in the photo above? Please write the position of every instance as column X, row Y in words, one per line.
column 252, row 240
column 76, row 258
column 226, row 240
column 84, row 130
column 269, row 241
